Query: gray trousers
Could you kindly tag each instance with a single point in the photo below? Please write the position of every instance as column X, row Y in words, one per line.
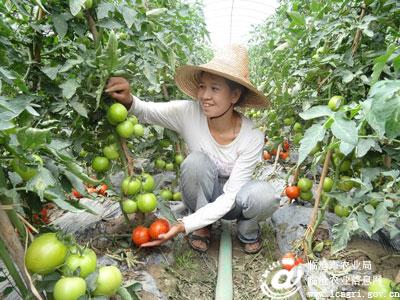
column 255, row 201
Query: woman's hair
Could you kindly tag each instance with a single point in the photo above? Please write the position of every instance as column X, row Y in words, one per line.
column 233, row 85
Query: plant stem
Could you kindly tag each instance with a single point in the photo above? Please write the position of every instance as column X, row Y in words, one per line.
column 316, row 217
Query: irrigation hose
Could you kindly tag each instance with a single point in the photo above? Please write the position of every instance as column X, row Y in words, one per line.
column 224, row 289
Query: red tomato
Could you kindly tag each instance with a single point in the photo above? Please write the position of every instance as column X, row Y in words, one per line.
column 298, row 261
column 158, row 227
column 288, row 261
column 76, row 194
column 266, row 155
column 286, row 145
column 284, row 155
column 292, row 192
column 273, row 151
column 103, row 189
column 91, row 190
column 140, row 235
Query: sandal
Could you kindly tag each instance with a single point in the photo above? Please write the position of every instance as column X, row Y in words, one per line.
column 251, row 250
column 194, row 237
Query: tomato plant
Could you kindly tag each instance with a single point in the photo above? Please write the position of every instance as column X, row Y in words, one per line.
column 45, row 254
column 158, row 227
column 140, row 235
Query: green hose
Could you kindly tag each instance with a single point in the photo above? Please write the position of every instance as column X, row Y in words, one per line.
column 224, row 290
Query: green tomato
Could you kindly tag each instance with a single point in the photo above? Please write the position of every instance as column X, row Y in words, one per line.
column 288, row 121
column 159, row 164
column 133, row 120
column 335, row 102
column 86, row 262
column 131, row 186
column 111, row 151
column 129, row 206
column 380, row 289
column 306, row 196
column 138, row 130
column 317, row 148
column 88, row 4
column 178, row 159
column 166, row 194
column 341, row 211
column 45, row 254
column 177, row 196
column 147, row 202
column 297, row 127
column 328, row 184
column 100, row 164
column 148, row 183
column 23, row 170
column 83, row 153
column 305, row 184
column 345, row 184
column 117, row 113
column 108, row 281
column 169, row 166
column 69, row 288
column 297, row 138
column 125, row 129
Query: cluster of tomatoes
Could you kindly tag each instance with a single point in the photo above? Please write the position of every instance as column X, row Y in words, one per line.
column 271, row 150
column 53, row 253
column 41, row 217
column 142, row 234
column 100, row 190
column 126, row 127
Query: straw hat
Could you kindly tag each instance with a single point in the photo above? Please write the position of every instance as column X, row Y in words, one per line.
column 232, row 63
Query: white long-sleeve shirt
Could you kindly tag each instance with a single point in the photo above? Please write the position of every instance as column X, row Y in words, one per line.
column 236, row 159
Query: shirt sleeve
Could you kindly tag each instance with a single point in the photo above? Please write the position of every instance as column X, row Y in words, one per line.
column 241, row 174
column 169, row 114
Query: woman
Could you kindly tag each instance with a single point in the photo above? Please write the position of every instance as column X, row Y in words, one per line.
column 224, row 147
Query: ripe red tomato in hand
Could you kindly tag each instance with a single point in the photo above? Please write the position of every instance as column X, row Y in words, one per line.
column 292, row 192
column 140, row 235
column 286, row 145
column 158, row 227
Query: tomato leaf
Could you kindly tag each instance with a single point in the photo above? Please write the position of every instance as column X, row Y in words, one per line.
column 129, row 15
column 61, row 25
column 69, row 88
column 341, row 233
column 364, row 145
column 363, row 222
column 344, row 130
column 316, row 112
column 75, row 6
column 312, row 136
column 381, row 217
column 33, row 137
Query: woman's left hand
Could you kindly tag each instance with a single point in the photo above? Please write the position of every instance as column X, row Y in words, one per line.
column 162, row 238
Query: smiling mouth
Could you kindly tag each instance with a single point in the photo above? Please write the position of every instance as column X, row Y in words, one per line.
column 207, row 105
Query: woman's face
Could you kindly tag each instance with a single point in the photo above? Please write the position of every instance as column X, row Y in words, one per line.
column 215, row 95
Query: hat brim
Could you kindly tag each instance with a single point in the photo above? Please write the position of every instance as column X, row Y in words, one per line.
column 187, row 76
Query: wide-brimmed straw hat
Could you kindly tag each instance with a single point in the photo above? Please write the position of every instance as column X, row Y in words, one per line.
column 231, row 62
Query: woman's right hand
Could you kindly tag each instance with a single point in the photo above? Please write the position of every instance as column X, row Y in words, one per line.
column 118, row 89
